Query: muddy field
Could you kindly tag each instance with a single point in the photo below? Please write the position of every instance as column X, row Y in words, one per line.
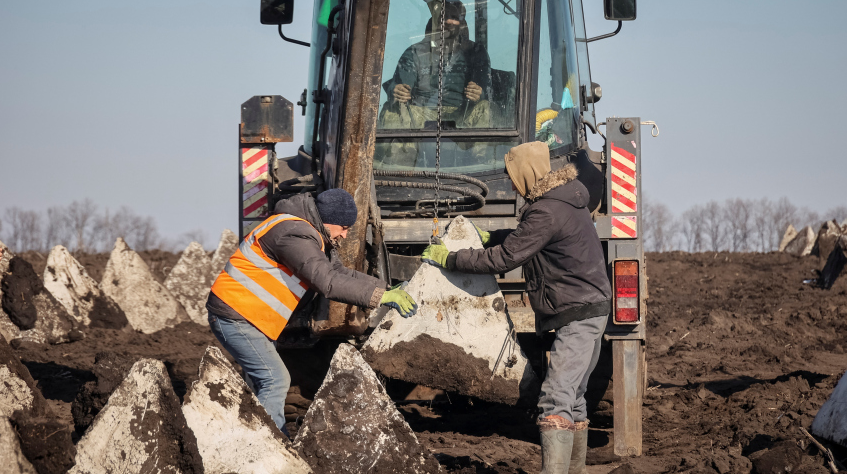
column 741, row 354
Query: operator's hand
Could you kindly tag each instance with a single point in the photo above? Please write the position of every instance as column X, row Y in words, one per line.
column 398, row 299
column 436, row 255
column 473, row 92
column 483, row 235
column 402, row 93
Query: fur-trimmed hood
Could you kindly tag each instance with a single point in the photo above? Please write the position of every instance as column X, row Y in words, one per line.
column 561, row 185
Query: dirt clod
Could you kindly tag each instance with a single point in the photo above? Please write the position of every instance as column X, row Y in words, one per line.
column 20, row 285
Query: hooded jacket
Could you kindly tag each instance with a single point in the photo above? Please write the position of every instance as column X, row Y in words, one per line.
column 297, row 245
column 557, row 244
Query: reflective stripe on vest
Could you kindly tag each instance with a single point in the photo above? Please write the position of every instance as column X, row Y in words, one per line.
column 262, row 291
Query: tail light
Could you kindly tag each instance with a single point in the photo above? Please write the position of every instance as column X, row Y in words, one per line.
column 626, row 291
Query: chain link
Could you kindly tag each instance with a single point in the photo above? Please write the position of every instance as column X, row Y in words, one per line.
column 435, row 229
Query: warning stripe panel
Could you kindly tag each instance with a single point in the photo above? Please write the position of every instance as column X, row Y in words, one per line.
column 257, row 208
column 624, row 227
column 623, row 180
column 254, row 171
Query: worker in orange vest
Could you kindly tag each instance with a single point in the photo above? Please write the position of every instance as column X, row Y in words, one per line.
column 276, row 272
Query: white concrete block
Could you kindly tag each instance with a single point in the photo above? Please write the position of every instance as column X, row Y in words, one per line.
column 461, row 338
column 226, row 247
column 353, row 427
column 802, row 244
column 8, row 329
column 140, row 430
column 787, row 237
column 190, row 282
column 234, row 433
column 148, row 305
column 831, row 420
column 14, row 461
column 18, row 390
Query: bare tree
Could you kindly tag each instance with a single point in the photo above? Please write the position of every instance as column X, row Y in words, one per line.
column 195, row 235
column 659, row 227
column 762, row 217
column 738, row 214
column 146, row 234
column 81, row 216
column 692, row 228
column 140, row 233
column 784, row 213
column 25, row 233
column 57, row 228
column 714, row 226
column 838, row 213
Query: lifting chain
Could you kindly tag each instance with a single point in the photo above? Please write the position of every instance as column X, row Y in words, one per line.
column 435, row 229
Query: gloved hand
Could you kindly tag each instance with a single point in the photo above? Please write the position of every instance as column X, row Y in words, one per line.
column 398, row 299
column 436, row 255
column 483, row 235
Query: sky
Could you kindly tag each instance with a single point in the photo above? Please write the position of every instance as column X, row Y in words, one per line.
column 137, row 103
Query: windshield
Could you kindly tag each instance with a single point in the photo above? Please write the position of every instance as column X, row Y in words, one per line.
column 478, row 73
column 557, row 110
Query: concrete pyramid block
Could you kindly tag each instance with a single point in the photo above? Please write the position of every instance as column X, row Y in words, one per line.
column 827, row 239
column 461, row 338
column 148, row 305
column 787, row 237
column 353, row 427
column 17, row 388
column 8, row 329
column 190, row 282
column 831, row 420
column 224, row 414
column 68, row 281
column 802, row 244
column 141, row 429
column 14, row 461
column 226, row 247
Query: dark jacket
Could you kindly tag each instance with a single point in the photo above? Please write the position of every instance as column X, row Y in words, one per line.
column 557, row 244
column 297, row 245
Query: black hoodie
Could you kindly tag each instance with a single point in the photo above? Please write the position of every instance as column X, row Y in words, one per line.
column 297, row 245
column 557, row 244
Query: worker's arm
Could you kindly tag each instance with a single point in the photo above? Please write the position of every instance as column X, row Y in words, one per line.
column 518, row 247
column 339, row 267
column 299, row 249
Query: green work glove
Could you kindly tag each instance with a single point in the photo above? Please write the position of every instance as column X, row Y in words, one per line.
column 436, row 255
column 483, row 235
column 398, row 299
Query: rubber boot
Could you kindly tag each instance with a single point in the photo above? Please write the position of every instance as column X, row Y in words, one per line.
column 556, row 444
column 580, row 448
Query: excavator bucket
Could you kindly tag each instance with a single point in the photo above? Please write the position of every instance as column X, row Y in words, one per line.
column 461, row 338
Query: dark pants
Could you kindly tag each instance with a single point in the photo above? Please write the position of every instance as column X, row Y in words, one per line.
column 572, row 359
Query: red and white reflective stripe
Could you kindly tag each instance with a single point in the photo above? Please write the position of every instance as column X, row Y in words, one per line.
column 624, row 227
column 248, row 227
column 254, row 172
column 624, row 187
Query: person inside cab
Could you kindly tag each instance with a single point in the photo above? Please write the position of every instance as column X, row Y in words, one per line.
column 413, row 90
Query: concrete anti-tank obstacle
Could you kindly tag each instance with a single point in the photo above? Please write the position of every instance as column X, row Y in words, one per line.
column 17, row 388
column 831, row 420
column 8, row 329
column 32, row 309
column 148, row 305
column 461, row 338
column 226, row 247
column 68, row 281
column 787, row 237
column 353, row 427
column 802, row 244
column 14, row 461
column 234, row 432
column 190, row 282
column 141, row 429
column 826, row 239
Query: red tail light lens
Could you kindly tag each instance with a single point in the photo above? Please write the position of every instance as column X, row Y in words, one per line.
column 626, row 291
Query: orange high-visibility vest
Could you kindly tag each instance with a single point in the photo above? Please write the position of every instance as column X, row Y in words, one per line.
column 262, row 291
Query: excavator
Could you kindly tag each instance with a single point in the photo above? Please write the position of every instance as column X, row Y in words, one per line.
column 411, row 106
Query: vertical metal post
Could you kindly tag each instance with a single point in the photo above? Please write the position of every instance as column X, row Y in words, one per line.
column 627, row 361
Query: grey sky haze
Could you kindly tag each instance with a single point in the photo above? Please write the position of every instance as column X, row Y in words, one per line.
column 137, row 103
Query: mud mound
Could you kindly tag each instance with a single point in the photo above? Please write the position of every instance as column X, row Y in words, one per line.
column 353, row 427
column 110, row 369
column 14, row 461
column 46, row 442
column 20, row 285
column 141, row 429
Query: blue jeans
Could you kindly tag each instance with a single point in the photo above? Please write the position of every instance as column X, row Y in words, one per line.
column 257, row 355
column 572, row 359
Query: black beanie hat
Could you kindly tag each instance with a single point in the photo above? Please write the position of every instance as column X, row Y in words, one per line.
column 336, row 206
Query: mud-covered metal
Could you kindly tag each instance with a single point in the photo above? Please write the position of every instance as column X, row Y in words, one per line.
column 267, row 119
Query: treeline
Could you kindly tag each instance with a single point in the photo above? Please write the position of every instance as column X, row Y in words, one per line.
column 82, row 226
column 735, row 225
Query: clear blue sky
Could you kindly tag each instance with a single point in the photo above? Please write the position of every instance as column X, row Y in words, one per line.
column 137, row 103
